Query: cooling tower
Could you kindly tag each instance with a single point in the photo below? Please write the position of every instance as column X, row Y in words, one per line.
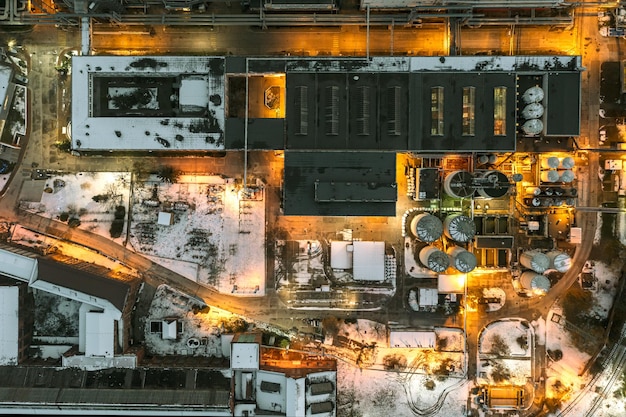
column 458, row 184
column 426, row 227
column 459, row 228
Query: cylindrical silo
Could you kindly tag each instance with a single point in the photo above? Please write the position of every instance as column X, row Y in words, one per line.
column 426, row 227
column 434, row 259
column 535, row 260
column 458, row 184
column 533, row 190
column 560, row 261
column 483, row 159
column 567, row 176
column 493, row 158
column 550, row 175
column 551, row 162
column 494, row 184
column 567, row 162
column 463, row 260
column 533, row 95
column 532, row 127
column 536, row 202
column 459, row 228
column 534, row 282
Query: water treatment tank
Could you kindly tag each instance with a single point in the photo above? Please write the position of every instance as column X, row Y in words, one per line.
column 426, row 227
column 535, row 260
column 550, row 175
column 458, row 184
column 560, row 261
column 551, row 162
column 567, row 162
column 463, row 260
column 459, row 228
column 533, row 95
column 534, row 282
column 567, row 176
column 494, row 184
column 532, row 127
column 532, row 111
column 434, row 259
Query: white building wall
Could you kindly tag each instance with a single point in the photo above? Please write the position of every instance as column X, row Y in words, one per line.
column 9, row 325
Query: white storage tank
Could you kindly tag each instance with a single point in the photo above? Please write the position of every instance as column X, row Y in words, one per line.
column 434, row 259
column 533, row 190
column 459, row 228
column 532, row 281
column 567, row 162
column 551, row 175
column 462, row 259
column 532, row 127
column 458, row 184
column 426, row 227
column 551, row 162
column 535, row 260
column 560, row 261
column 532, row 111
column 567, row 176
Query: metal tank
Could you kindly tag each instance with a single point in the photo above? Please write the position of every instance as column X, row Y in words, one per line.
column 567, row 162
column 463, row 260
column 533, row 190
column 535, row 260
column 434, row 259
column 533, row 95
column 532, row 127
column 551, row 162
column 426, row 227
column 494, row 184
column 532, row 111
column 567, row 176
column 459, row 228
column 458, row 184
column 551, row 175
column 560, row 261
column 532, row 281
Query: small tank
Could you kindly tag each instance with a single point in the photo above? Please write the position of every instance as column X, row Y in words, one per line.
column 434, row 259
column 426, row 227
column 551, row 175
column 459, row 228
column 560, row 261
column 535, row 260
column 533, row 190
column 567, row 162
column 533, row 95
column 551, row 162
column 463, row 260
column 532, row 111
column 567, row 176
column 532, row 127
column 458, row 184
column 532, row 281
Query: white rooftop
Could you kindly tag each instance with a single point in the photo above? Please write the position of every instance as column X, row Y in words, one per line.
column 244, row 356
column 99, row 338
column 5, row 79
column 17, row 266
column 369, row 261
column 341, row 254
column 165, row 218
column 9, row 323
column 451, row 284
column 428, row 297
column 159, row 124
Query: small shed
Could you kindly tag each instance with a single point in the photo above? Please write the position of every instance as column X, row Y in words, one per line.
column 165, row 218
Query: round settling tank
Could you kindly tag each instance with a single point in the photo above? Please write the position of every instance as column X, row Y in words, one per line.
column 463, row 260
column 458, row 184
column 496, row 185
column 567, row 176
column 537, row 261
column 434, row 259
column 560, row 261
column 551, row 175
column 426, row 227
column 459, row 228
column 534, row 282
column 567, row 162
